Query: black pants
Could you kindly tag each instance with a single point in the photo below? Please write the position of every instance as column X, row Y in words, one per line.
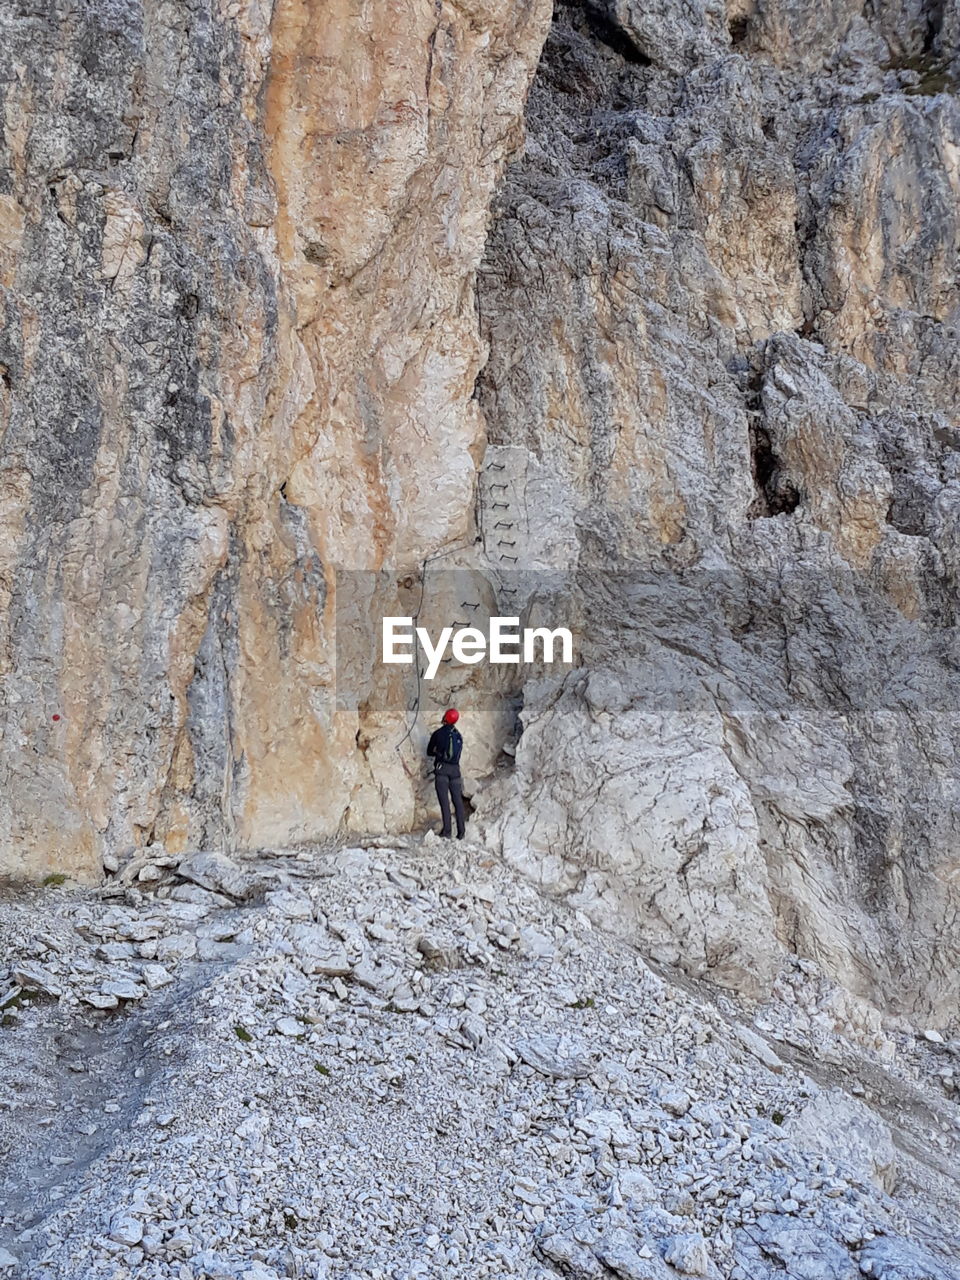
column 449, row 783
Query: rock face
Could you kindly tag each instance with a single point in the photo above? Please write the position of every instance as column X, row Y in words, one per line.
column 735, row 427
column 702, row 402
column 238, row 351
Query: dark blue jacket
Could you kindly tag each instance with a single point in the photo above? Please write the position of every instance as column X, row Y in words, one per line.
column 445, row 746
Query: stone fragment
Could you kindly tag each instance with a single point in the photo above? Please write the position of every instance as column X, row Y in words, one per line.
column 34, row 977
column 318, row 951
column 851, row 1132
column 689, row 1254
column 138, row 928
column 117, row 952
column 290, row 1027
column 562, row 1056
column 885, row 1258
column 439, row 953
column 100, row 999
column 126, row 1229
column 175, row 947
column 180, row 1243
column 637, row 1185
column 675, row 1102
column 215, row 1266
column 535, row 943
column 123, row 240
column 294, row 906
column 630, row 1257
column 220, row 952
column 802, row 1249
column 219, row 928
column 155, row 976
column 220, row 874
column 573, row 1260
column 195, row 895
column 123, row 989
column 758, row 1047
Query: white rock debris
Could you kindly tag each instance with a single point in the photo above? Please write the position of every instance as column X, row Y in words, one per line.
column 389, row 1063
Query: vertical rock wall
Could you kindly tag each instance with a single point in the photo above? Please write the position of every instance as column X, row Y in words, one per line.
column 140, row 335
column 738, row 416
column 245, row 399
column 238, row 347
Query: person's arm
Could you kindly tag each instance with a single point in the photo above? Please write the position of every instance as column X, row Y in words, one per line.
column 432, row 744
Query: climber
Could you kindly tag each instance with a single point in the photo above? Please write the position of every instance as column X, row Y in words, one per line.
column 445, row 746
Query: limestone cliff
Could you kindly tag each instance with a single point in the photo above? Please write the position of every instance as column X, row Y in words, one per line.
column 737, row 416
column 239, row 350
column 253, row 395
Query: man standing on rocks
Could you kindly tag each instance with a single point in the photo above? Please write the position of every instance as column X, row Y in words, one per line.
column 445, row 746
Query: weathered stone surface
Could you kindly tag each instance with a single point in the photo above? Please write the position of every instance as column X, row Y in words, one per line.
column 715, row 334
column 561, row 1057
column 317, row 951
column 583, row 1117
column 854, row 1135
column 782, row 1245
column 734, row 427
column 903, row 1260
column 238, row 345
column 34, row 977
column 220, row 874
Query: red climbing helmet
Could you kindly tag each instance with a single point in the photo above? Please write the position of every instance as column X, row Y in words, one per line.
column 451, row 716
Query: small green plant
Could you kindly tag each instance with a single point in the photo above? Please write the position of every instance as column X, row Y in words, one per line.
column 318, row 1066
column 242, row 1034
column 778, row 1117
column 588, row 1003
column 55, row 878
column 290, row 1221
